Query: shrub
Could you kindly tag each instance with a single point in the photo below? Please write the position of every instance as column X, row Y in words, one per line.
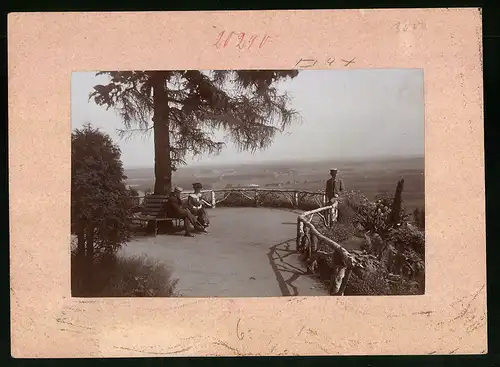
column 372, row 216
column 419, row 218
column 371, row 284
column 346, row 213
column 376, row 283
column 101, row 204
column 409, row 237
column 405, row 287
column 236, row 199
column 356, row 210
column 123, row 277
column 134, row 197
column 338, row 232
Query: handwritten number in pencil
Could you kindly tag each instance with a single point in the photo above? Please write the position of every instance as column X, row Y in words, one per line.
column 266, row 37
column 241, row 38
column 221, row 34
column 252, row 40
column 348, row 62
column 306, row 63
column 228, row 39
column 243, row 41
column 240, row 335
column 404, row 27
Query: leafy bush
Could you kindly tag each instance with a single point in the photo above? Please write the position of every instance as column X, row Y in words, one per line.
column 338, row 232
column 346, row 214
column 405, row 287
column 235, row 199
column 371, row 284
column 134, row 198
column 123, row 277
column 101, row 204
column 373, row 216
column 376, row 283
column 356, row 210
column 408, row 237
column 419, row 218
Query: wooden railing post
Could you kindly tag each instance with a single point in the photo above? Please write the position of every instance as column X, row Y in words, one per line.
column 343, row 286
column 314, row 243
column 344, row 263
column 256, row 197
column 299, row 234
column 212, row 193
column 296, row 199
column 337, row 278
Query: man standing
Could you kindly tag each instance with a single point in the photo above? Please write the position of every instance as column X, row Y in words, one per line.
column 175, row 209
column 333, row 186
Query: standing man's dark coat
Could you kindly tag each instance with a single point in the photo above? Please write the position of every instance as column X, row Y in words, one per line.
column 334, row 186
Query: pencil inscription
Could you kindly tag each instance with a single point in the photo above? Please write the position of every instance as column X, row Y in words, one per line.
column 409, row 26
column 241, row 40
column 305, row 63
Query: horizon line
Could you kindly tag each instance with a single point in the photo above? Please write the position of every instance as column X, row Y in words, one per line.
column 352, row 158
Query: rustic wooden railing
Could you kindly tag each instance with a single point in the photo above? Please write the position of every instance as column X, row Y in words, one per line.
column 290, row 198
column 308, row 238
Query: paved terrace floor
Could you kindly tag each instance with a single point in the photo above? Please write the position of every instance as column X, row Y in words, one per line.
column 248, row 252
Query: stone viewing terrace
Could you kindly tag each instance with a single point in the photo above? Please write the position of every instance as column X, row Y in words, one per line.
column 261, row 242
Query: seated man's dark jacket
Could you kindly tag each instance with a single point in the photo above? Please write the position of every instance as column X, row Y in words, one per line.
column 173, row 206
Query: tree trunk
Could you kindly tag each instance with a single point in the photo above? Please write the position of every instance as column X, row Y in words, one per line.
column 161, row 130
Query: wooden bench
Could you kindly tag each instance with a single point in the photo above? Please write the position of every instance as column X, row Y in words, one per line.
column 152, row 211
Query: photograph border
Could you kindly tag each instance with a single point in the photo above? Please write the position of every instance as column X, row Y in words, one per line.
column 46, row 322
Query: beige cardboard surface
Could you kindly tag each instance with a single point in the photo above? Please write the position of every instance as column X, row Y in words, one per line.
column 44, row 49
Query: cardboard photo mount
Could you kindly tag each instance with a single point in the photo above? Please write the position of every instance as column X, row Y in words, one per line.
column 45, row 48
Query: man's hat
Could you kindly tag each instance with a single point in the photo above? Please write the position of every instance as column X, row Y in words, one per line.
column 178, row 189
column 333, row 169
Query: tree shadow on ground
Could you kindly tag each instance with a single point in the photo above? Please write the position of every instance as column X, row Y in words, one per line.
column 277, row 258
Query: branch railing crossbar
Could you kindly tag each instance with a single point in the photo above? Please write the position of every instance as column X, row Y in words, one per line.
column 308, row 240
column 292, row 196
column 308, row 237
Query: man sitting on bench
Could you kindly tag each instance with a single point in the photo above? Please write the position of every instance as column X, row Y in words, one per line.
column 175, row 209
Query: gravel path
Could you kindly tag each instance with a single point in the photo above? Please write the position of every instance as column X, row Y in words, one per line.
column 248, row 252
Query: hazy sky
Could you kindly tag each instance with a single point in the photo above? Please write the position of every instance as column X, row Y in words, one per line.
column 346, row 114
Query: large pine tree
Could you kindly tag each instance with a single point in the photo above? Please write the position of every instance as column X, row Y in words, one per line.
column 185, row 109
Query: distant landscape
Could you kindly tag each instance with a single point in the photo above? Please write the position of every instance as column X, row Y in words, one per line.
column 370, row 176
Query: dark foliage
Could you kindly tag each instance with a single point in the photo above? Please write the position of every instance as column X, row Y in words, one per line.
column 397, row 205
column 408, row 237
column 100, row 202
column 419, row 218
column 397, row 264
column 123, row 277
column 339, row 232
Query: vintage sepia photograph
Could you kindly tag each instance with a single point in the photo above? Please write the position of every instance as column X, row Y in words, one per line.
column 247, row 183
column 190, row 203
